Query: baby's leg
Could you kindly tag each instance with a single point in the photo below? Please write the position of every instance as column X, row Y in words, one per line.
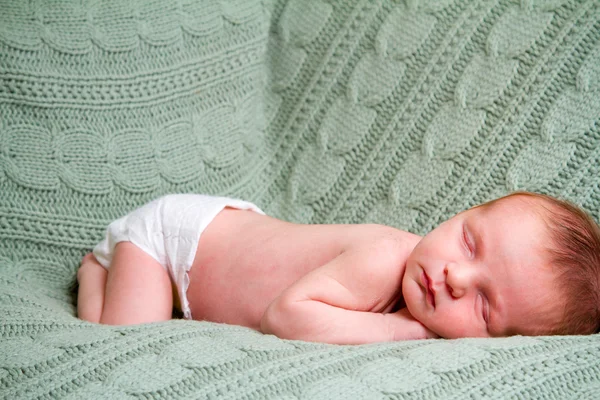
column 138, row 288
column 92, row 283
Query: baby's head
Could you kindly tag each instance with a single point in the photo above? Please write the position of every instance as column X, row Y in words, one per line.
column 526, row 264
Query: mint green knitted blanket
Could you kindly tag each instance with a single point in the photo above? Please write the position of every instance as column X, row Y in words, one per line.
column 321, row 111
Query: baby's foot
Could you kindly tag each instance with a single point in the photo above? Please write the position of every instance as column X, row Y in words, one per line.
column 88, row 262
column 89, row 257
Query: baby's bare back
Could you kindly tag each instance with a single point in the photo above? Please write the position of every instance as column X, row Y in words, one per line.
column 245, row 260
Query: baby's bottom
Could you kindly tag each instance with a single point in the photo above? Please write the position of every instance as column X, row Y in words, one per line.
column 135, row 289
column 146, row 252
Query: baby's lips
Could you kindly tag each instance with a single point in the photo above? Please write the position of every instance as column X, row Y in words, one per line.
column 429, row 290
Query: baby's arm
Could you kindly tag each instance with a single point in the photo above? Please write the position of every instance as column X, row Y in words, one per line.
column 341, row 302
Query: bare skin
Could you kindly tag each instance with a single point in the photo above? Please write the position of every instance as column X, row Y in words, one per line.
column 246, row 262
column 481, row 273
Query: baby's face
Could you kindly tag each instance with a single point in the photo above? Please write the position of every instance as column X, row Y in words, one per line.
column 482, row 273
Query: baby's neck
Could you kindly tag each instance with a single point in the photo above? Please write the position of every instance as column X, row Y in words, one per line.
column 400, row 304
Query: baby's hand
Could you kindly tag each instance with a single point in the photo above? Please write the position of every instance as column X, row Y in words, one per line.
column 406, row 327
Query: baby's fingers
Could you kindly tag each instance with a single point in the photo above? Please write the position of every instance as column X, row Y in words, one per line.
column 408, row 328
column 429, row 334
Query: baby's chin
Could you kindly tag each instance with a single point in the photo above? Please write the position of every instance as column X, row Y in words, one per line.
column 414, row 311
column 411, row 292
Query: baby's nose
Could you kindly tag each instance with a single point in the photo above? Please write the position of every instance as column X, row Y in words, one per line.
column 458, row 279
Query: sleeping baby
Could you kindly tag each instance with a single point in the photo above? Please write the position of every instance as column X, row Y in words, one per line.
column 523, row 264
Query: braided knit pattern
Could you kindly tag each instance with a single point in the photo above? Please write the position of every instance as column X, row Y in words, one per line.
column 394, row 112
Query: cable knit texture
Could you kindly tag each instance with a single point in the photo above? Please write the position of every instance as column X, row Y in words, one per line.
column 322, row 111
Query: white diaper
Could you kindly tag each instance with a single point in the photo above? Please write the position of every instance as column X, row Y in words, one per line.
column 168, row 229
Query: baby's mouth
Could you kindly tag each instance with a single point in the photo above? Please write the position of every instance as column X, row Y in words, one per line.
column 427, row 284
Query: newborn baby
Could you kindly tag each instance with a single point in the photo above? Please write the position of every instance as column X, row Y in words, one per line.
column 522, row 264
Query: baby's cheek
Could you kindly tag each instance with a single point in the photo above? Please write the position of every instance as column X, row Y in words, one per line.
column 454, row 325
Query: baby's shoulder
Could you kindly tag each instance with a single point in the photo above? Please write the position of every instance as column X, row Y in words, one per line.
column 378, row 233
column 384, row 239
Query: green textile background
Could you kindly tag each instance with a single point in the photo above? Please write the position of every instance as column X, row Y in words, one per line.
column 321, row 111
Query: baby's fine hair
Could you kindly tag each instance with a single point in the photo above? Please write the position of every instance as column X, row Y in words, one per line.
column 574, row 256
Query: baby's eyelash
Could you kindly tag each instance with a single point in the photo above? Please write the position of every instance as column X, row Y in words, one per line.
column 466, row 241
column 484, row 308
column 486, row 312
